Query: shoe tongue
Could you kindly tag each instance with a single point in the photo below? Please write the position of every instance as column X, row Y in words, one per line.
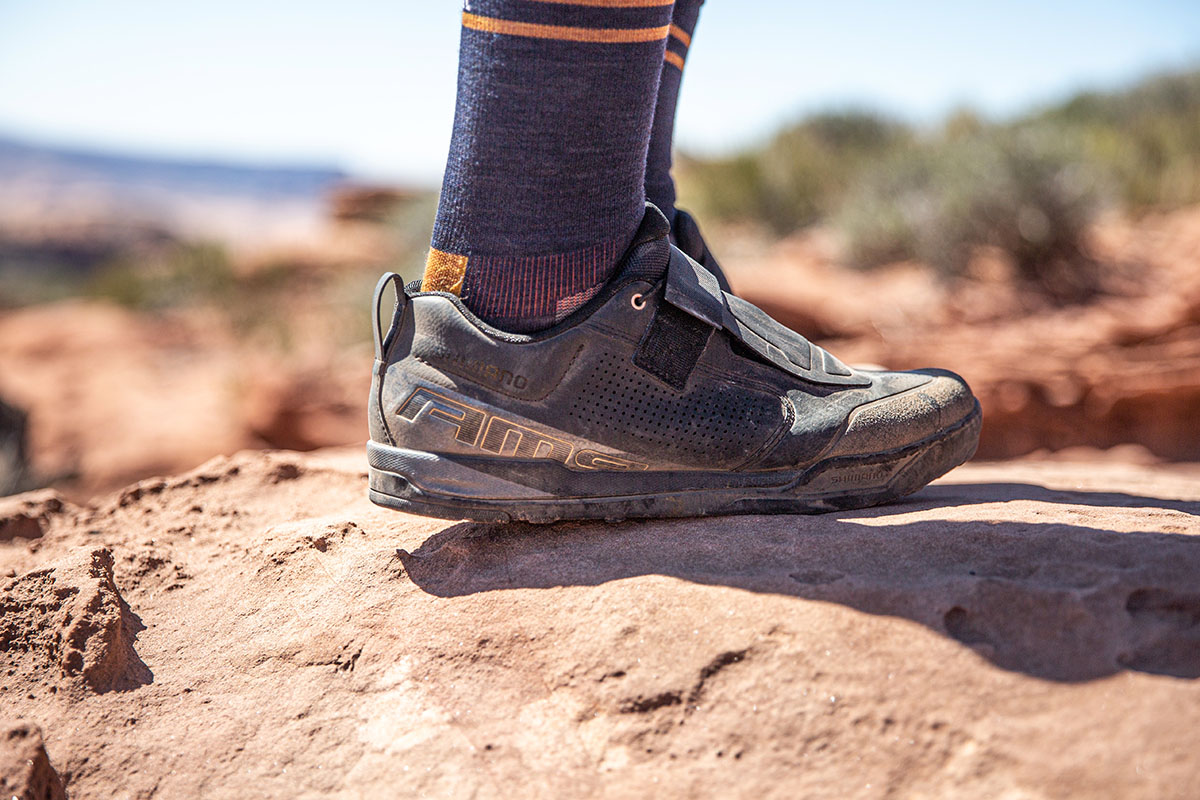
column 686, row 235
column 648, row 255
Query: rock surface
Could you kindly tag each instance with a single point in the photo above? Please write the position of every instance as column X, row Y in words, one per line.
column 257, row 628
column 25, row 770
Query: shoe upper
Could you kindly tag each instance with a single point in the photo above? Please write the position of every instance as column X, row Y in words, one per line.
column 661, row 370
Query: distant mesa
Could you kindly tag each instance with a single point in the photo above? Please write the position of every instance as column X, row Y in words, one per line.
column 66, row 209
column 65, row 167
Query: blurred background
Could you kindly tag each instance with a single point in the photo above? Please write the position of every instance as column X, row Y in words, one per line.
column 196, row 200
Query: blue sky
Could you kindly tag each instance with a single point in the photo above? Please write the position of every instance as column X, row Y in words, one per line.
column 369, row 85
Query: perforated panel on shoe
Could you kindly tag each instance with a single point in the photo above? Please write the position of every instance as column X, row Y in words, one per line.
column 715, row 426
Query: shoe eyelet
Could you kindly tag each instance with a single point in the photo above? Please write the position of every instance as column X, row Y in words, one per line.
column 638, row 301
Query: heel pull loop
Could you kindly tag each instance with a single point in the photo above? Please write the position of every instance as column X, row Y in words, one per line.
column 377, row 309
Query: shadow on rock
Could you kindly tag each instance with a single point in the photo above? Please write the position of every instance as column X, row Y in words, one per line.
column 1055, row 595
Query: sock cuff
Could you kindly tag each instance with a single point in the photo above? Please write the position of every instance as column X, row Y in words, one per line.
column 530, row 292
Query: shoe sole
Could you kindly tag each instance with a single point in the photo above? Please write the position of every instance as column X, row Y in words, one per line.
column 437, row 486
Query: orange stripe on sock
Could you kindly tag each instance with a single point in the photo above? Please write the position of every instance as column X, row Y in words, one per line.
column 680, row 34
column 443, row 272
column 611, row 3
column 673, row 59
column 562, row 32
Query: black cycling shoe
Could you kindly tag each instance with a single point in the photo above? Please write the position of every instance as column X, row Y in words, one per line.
column 662, row 397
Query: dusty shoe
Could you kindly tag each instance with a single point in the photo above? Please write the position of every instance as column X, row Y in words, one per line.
column 662, row 397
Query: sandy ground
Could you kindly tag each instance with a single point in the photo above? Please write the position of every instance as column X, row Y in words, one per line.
column 256, row 628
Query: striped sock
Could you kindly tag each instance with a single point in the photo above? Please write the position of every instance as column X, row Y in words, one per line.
column 544, row 187
column 660, row 188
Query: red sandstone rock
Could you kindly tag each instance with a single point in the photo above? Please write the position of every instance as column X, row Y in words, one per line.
column 1016, row 630
column 25, row 771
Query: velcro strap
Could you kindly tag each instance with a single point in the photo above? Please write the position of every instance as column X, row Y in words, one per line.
column 672, row 345
column 694, row 290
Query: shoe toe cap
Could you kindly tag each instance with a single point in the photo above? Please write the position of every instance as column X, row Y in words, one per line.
column 909, row 416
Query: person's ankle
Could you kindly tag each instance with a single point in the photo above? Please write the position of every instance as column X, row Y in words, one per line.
column 525, row 294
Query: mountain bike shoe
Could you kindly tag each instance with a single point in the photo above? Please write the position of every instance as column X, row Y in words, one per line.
column 663, row 396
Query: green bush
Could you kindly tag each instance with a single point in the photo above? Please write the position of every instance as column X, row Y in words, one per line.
column 1029, row 186
column 189, row 273
column 1024, row 192
column 795, row 179
column 1148, row 137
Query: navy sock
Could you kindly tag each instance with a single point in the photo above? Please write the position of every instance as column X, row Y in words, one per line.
column 544, row 187
column 660, row 188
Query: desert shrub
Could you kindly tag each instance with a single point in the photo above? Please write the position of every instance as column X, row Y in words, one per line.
column 1146, row 137
column 796, row 178
column 187, row 274
column 1025, row 192
column 728, row 189
column 22, row 286
column 1145, row 140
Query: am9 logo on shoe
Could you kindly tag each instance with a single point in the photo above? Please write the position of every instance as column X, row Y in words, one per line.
column 494, row 434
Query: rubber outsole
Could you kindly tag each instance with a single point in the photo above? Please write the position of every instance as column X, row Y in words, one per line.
column 401, row 480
